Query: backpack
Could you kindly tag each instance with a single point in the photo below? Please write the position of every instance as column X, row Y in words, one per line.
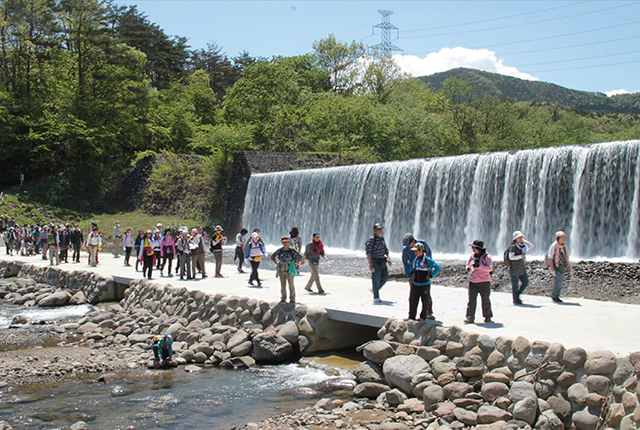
column 505, row 257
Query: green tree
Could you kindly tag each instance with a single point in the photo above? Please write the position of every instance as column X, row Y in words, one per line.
column 340, row 61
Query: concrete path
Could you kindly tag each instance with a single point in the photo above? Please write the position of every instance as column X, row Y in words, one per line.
column 590, row 324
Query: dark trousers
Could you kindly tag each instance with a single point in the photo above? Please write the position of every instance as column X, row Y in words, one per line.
column 165, row 258
column 379, row 277
column 158, row 258
column 254, row 272
column 76, row 252
column 516, row 290
column 64, row 254
column 417, row 294
column 147, row 265
column 239, row 256
column 137, row 257
column 127, row 255
column 484, row 289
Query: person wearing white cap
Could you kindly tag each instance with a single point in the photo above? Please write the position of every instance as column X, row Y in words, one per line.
column 217, row 242
column 558, row 262
column 254, row 250
column 378, row 256
column 197, row 253
column 517, row 252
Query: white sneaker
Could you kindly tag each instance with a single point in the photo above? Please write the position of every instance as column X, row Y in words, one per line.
column 377, row 300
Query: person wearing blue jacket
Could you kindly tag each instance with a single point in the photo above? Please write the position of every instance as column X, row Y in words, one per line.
column 254, row 250
column 423, row 268
column 408, row 242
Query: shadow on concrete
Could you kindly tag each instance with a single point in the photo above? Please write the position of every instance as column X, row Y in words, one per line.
column 529, row 305
column 491, row 325
column 384, row 303
column 568, row 304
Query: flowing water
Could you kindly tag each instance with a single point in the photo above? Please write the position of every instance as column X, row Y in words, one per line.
column 174, row 399
column 592, row 192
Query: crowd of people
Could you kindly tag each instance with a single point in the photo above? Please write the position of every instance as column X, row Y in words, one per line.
column 157, row 248
column 419, row 267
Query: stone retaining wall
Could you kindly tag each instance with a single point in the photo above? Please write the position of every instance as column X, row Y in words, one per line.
column 468, row 380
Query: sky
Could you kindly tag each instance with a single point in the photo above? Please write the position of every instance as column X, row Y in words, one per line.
column 585, row 45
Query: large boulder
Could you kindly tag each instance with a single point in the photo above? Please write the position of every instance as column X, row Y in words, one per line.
column 401, row 369
column 270, row 347
column 289, row 331
column 237, row 339
column 377, row 351
column 601, row 363
column 393, row 397
column 60, row 298
column 368, row 371
column 526, row 410
column 574, row 358
column 586, row 419
column 370, row 390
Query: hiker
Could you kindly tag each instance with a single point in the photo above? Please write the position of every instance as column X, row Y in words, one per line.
column 29, row 246
column 127, row 245
column 167, row 251
column 241, row 240
column 147, row 255
column 378, row 256
column 515, row 257
column 217, row 242
column 9, row 240
column 76, row 241
column 117, row 239
column 162, row 350
column 197, row 254
column 313, row 251
column 408, row 242
column 136, row 244
column 43, row 241
column 287, row 259
column 296, row 239
column 157, row 248
column 94, row 242
column 184, row 253
column 54, row 246
column 558, row 262
column 423, row 268
column 479, row 267
column 65, row 241
column 254, row 251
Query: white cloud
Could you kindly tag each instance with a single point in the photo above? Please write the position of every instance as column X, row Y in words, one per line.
column 451, row 58
column 616, row 92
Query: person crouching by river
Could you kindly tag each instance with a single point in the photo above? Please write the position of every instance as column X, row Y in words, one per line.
column 162, row 350
column 378, row 256
column 147, row 256
column 423, row 268
column 313, row 251
column 408, row 242
column 479, row 268
column 558, row 262
column 287, row 260
column 183, row 248
column 254, row 250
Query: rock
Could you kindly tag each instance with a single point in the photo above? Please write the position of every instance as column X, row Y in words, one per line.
column 586, row 419
column 432, row 395
column 393, row 397
column 290, row 332
column 468, row 418
column 574, row 358
column 454, row 349
column 191, row 368
column 548, row 420
column 456, row 390
column 495, row 377
column 627, row 423
column 566, row 379
column 630, row 402
column 520, row 390
column 493, row 390
column 427, row 352
column 19, row 320
column 495, row 359
column 79, row 425
column 624, row 370
column 598, row 384
column 503, row 403
column 242, row 349
column 616, row 414
column 378, row 351
column 78, row 298
column 491, row 414
column 87, row 327
column 555, row 352
column 368, row 371
column 445, row 409
column 325, row 404
column 544, row 388
column 601, row 363
column 486, row 344
column 5, row 426
column 405, row 349
column 440, row 368
column 60, row 298
column 577, row 394
column 414, row 406
column 526, row 410
column 370, row 390
column 520, row 347
column 174, row 329
column 400, row 370
column 200, row 357
column 270, row 347
column 237, row 339
column 471, row 365
column 188, row 355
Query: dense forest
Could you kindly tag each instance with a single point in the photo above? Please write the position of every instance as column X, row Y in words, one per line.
column 85, row 84
column 486, row 84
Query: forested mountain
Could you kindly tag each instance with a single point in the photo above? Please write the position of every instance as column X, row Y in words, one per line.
column 486, row 84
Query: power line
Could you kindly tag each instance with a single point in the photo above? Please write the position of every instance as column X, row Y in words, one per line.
column 578, row 59
column 522, row 24
column 585, row 67
column 556, row 48
column 556, row 36
column 498, row 18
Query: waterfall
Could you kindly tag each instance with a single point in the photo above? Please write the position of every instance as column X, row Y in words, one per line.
column 591, row 192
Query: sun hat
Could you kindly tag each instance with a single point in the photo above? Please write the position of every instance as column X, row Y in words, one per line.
column 218, row 228
column 315, row 234
column 194, row 231
column 377, row 226
column 560, row 234
column 254, row 235
column 418, row 247
column 517, row 234
column 285, row 239
column 478, row 244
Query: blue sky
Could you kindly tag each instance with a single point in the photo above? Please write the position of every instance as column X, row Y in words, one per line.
column 552, row 41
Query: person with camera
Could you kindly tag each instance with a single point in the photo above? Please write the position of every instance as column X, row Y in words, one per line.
column 423, row 268
column 378, row 256
column 479, row 267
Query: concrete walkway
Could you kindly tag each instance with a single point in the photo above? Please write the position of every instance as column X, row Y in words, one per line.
column 590, row 324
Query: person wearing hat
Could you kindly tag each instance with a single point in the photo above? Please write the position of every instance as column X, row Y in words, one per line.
column 162, row 350
column 423, row 268
column 312, row 252
column 65, row 241
column 286, row 259
column 517, row 253
column 147, row 256
column 558, row 262
column 217, row 242
column 254, row 250
column 408, row 242
column 183, row 249
column 117, row 240
column 127, row 245
column 76, row 240
column 378, row 257
column 197, row 254
column 54, row 246
column 479, row 267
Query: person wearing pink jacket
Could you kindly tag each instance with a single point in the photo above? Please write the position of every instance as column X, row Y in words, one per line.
column 167, row 251
column 479, row 267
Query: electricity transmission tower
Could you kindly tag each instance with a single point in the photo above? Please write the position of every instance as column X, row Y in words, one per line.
column 385, row 48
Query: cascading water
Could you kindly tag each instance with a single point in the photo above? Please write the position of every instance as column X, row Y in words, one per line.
column 592, row 192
